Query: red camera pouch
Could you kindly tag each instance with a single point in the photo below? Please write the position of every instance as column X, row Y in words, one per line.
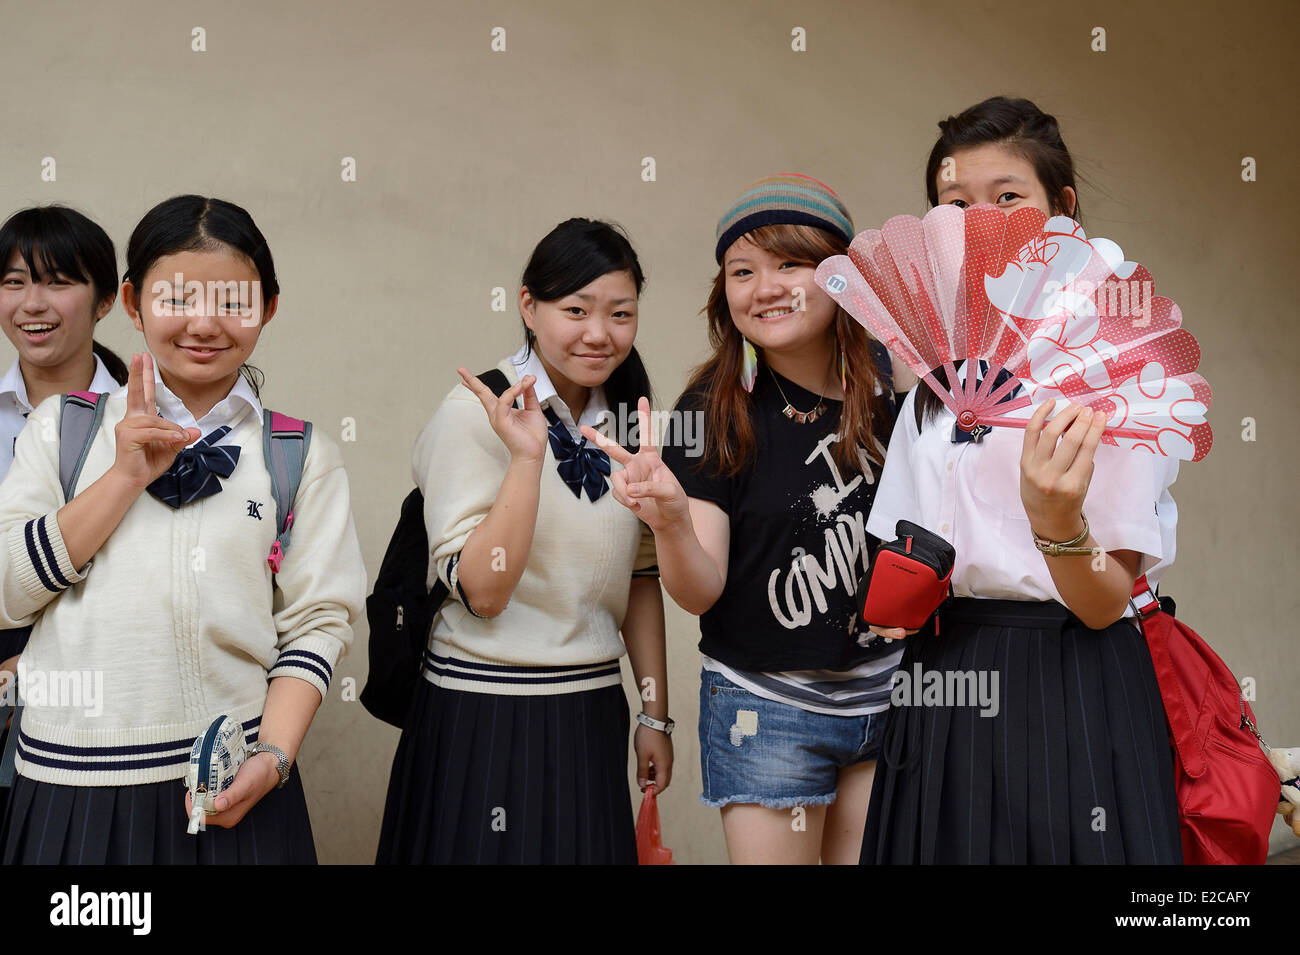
column 908, row 580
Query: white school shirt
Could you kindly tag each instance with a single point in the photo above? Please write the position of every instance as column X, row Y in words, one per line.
column 969, row 494
column 231, row 410
column 528, row 362
column 14, row 406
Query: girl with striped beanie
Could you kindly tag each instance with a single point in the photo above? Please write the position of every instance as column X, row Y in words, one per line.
column 760, row 530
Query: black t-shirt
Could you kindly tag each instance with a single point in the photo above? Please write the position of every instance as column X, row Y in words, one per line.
column 799, row 543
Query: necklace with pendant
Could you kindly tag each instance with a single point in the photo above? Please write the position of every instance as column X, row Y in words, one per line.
column 793, row 413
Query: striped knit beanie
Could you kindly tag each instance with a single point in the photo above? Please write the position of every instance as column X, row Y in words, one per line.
column 785, row 199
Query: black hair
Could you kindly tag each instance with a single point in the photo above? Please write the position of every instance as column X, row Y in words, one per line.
column 194, row 224
column 573, row 255
column 55, row 239
column 1022, row 127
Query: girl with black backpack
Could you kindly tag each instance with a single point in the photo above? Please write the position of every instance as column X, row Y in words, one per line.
column 515, row 750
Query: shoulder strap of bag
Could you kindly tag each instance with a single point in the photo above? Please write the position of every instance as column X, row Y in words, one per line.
column 80, row 414
column 285, row 442
column 1155, row 626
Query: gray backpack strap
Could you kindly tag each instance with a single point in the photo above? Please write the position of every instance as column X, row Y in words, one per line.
column 80, row 414
column 285, row 442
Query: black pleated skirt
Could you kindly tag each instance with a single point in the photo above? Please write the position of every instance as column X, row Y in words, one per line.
column 481, row 778
column 1074, row 767
column 50, row 824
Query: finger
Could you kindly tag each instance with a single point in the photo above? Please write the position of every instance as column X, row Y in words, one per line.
column 658, row 490
column 530, row 397
column 146, row 374
column 642, row 768
column 480, row 390
column 1091, row 440
column 620, row 495
column 1033, row 431
column 1052, row 432
column 138, row 437
column 889, row 633
column 506, row 400
column 608, row 445
column 643, row 429
column 1071, row 441
column 135, row 387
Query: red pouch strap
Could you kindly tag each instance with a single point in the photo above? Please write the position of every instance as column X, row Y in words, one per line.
column 1155, row 628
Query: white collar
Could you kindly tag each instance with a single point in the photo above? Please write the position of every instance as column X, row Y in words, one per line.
column 228, row 411
column 528, row 362
column 13, row 384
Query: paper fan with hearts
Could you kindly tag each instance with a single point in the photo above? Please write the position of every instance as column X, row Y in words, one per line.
column 1046, row 308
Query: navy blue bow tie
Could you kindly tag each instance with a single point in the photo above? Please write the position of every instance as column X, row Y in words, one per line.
column 581, row 466
column 193, row 475
column 976, row 434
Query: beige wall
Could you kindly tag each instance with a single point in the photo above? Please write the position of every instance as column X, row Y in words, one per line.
column 466, row 157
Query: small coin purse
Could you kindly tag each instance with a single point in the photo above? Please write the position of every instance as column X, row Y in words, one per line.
column 215, row 758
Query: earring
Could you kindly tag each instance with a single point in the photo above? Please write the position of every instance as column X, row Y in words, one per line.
column 749, row 366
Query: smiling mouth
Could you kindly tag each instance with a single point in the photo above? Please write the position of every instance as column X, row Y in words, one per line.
column 774, row 313
column 37, row 328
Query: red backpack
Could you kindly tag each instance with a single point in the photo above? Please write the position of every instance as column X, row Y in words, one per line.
column 1227, row 789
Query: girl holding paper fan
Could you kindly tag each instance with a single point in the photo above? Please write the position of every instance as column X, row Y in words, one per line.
column 1069, row 760
column 162, row 575
column 515, row 749
column 761, row 532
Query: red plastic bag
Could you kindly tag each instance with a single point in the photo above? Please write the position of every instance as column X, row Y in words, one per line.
column 650, row 849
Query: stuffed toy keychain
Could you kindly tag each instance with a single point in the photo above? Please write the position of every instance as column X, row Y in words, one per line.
column 214, row 760
column 1287, row 764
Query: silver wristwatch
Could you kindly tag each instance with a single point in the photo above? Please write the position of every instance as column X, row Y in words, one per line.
column 281, row 760
column 663, row 726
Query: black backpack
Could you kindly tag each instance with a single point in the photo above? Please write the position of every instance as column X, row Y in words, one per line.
column 401, row 608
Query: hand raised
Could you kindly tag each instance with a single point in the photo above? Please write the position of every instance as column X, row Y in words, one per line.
column 645, row 485
column 521, row 430
column 146, row 444
column 1056, row 463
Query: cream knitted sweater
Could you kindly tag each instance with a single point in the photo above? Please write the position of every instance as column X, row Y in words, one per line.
column 560, row 631
column 176, row 619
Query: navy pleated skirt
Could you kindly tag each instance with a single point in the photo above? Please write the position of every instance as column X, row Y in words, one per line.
column 1075, row 766
column 49, row 824
column 482, row 778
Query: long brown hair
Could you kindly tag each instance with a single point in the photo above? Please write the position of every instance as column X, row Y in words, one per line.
column 730, row 441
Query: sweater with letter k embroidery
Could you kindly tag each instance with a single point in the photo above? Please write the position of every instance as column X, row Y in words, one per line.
column 178, row 617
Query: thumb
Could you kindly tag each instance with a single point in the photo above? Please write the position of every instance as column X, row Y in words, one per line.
column 244, row 787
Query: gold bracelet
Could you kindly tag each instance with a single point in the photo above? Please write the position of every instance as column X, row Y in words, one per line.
column 1068, row 548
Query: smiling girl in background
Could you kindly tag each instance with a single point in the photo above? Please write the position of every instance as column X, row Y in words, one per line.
column 59, row 279
column 179, row 617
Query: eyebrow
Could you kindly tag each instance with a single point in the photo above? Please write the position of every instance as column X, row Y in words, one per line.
column 587, row 297
column 1000, row 181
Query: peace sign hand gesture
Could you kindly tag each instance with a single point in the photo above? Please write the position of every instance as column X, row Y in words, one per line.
column 146, row 443
column 645, row 485
column 522, row 431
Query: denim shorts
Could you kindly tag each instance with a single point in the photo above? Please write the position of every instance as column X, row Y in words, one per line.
column 754, row 750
